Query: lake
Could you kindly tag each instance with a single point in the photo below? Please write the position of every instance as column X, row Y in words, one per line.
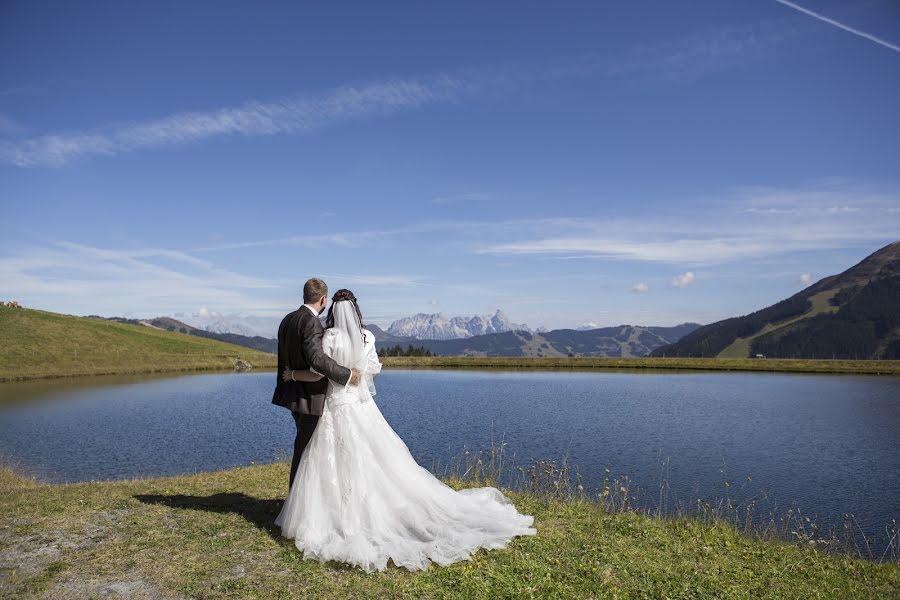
column 826, row 444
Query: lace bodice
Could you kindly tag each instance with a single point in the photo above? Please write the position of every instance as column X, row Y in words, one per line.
column 369, row 368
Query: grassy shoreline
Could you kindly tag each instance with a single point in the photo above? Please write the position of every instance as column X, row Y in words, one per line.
column 268, row 362
column 775, row 365
column 173, row 370
column 210, row 535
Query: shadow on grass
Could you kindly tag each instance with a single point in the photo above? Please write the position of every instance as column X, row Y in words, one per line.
column 259, row 512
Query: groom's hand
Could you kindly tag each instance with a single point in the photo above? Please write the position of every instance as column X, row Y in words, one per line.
column 354, row 376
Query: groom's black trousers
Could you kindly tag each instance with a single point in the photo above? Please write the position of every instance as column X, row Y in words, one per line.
column 306, row 424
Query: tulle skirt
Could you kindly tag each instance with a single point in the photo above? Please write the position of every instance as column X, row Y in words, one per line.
column 359, row 497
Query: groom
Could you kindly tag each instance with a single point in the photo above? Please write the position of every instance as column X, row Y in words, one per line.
column 300, row 347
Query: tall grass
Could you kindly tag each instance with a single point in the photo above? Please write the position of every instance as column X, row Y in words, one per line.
column 617, row 494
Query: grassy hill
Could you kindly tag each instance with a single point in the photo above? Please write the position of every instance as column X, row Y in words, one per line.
column 852, row 315
column 255, row 342
column 36, row 343
column 210, row 535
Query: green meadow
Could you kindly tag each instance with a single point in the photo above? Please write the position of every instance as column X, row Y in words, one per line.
column 210, row 535
column 36, row 343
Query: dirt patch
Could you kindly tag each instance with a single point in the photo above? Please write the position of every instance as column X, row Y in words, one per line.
column 26, row 551
column 128, row 585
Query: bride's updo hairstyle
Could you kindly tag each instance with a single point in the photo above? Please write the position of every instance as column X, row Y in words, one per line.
column 339, row 295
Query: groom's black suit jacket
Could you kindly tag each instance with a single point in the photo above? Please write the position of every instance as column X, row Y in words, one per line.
column 300, row 347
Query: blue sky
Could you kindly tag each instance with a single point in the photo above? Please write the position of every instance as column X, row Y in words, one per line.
column 644, row 162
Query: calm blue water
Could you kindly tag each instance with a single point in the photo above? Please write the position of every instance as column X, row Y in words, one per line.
column 827, row 444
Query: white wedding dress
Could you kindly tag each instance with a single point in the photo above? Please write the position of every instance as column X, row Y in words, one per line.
column 359, row 497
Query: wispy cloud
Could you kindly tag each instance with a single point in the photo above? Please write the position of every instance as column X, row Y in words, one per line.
column 688, row 57
column 376, row 280
column 346, row 239
column 839, row 210
column 285, row 115
column 21, row 89
column 640, row 287
column 852, row 30
column 805, row 279
column 770, row 211
column 676, row 250
column 78, row 277
column 775, row 221
column 469, row 197
column 99, row 279
column 706, row 52
column 352, row 239
column 825, row 214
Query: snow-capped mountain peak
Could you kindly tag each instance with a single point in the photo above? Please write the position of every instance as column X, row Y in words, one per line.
column 437, row 326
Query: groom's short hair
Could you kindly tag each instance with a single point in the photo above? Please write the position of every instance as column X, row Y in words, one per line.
column 314, row 289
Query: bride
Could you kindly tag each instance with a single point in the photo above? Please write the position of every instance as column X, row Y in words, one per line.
column 359, row 496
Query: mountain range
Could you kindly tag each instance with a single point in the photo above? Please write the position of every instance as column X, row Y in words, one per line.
column 255, row 342
column 439, row 327
column 245, row 325
column 854, row 314
column 625, row 340
column 621, row 341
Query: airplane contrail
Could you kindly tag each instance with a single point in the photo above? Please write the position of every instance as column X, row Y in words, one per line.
column 820, row 17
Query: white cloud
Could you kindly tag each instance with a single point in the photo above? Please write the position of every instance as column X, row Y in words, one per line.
column 683, row 280
column 805, row 279
column 640, row 287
